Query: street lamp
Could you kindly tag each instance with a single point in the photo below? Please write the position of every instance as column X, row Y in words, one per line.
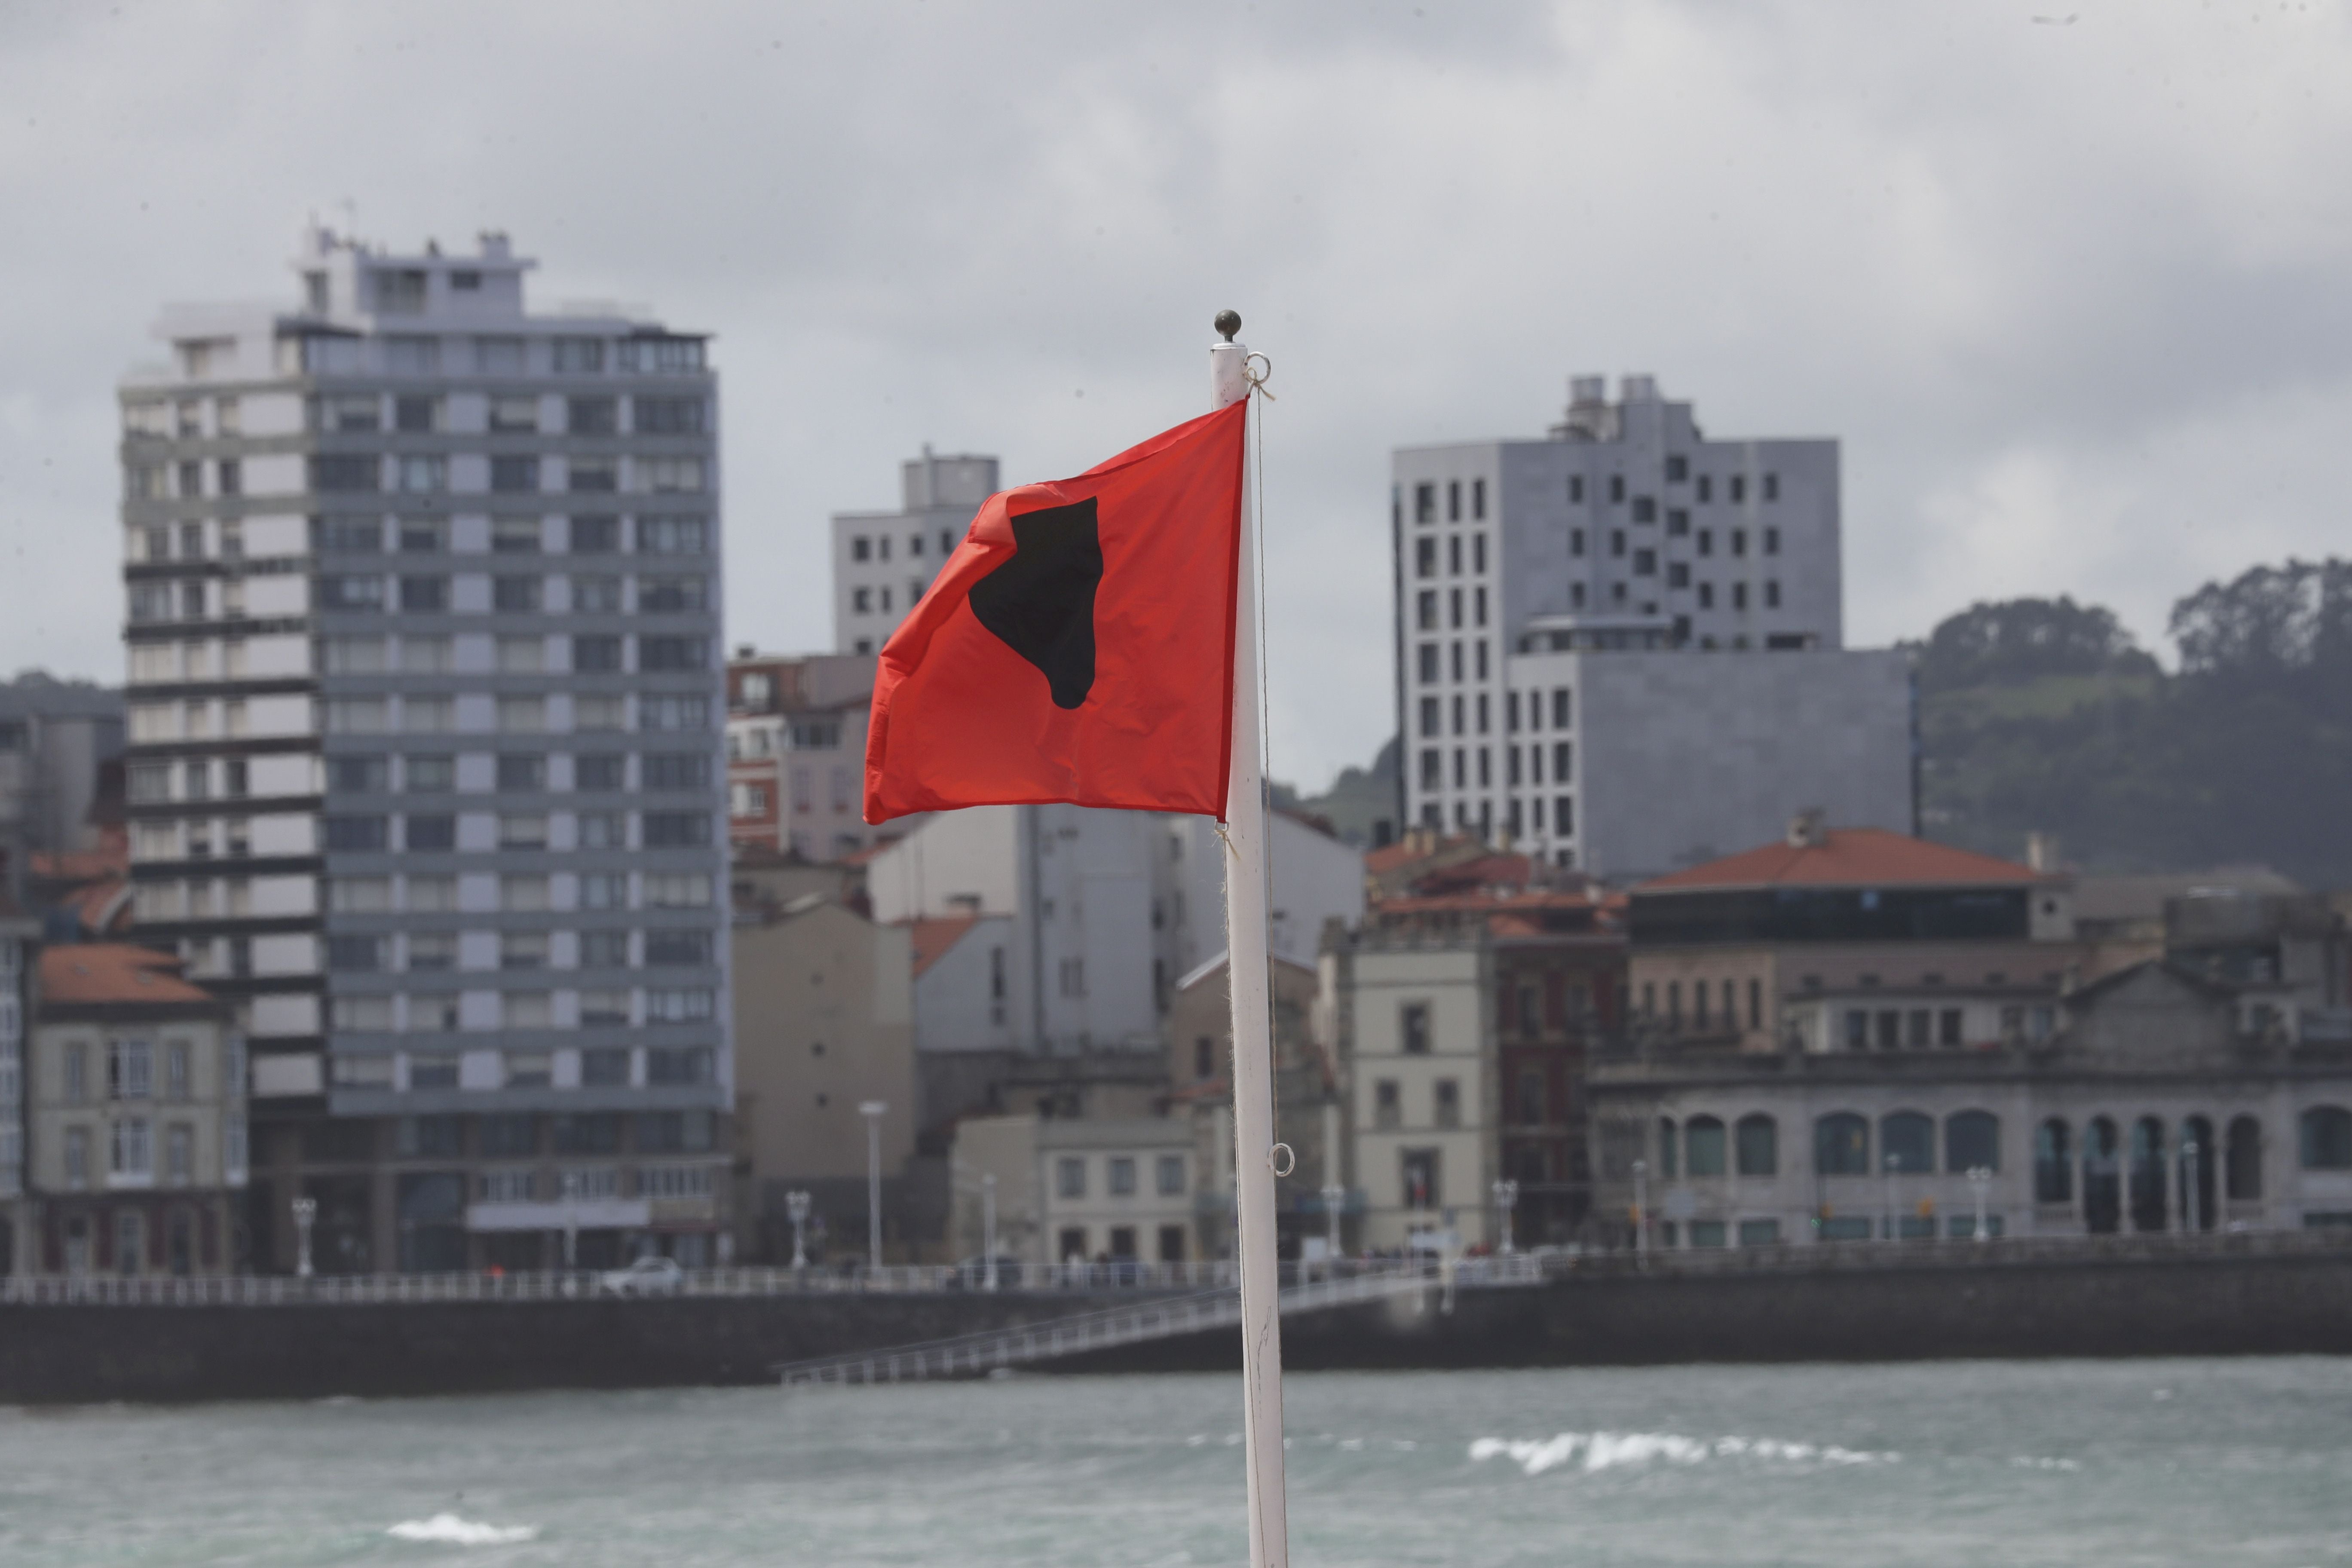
column 796, row 1205
column 1506, row 1198
column 1979, row 1183
column 1893, row 1220
column 306, row 1210
column 570, row 1221
column 988, row 1223
column 1641, row 1209
column 872, row 1110
column 1335, row 1198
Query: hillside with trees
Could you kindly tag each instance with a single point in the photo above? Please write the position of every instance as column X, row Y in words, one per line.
column 2042, row 714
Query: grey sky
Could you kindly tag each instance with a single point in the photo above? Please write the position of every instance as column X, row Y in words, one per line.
column 2072, row 292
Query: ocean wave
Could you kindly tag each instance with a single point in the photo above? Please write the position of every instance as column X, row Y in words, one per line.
column 449, row 1530
column 1590, row 1451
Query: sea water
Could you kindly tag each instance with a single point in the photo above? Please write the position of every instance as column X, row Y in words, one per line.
column 1972, row 1464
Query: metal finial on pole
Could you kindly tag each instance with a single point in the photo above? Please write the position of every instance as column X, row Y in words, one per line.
column 1248, row 984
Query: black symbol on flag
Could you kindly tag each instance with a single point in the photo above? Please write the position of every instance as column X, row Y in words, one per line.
column 1040, row 603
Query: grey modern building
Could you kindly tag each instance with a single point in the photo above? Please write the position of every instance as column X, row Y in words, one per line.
column 1621, row 646
column 883, row 561
column 425, row 753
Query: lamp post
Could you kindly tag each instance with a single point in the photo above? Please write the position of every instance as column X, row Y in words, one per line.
column 1506, row 1199
column 1335, row 1198
column 796, row 1205
column 306, row 1211
column 987, row 1223
column 1979, row 1184
column 570, row 1221
column 872, row 1110
column 1640, row 1209
column 1894, row 1218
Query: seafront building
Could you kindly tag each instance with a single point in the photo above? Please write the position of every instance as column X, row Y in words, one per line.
column 425, row 771
column 883, row 561
column 1552, row 599
column 796, row 754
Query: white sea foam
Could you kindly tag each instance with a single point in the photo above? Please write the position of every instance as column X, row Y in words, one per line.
column 1590, row 1451
column 449, row 1530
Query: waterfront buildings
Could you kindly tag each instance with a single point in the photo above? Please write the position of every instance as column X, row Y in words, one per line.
column 425, row 770
column 18, row 932
column 884, row 561
column 823, row 1026
column 1551, row 599
column 1835, row 1032
column 796, row 754
column 136, row 1108
column 1078, row 1190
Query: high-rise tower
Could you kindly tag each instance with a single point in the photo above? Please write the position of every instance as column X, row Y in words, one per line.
column 425, row 766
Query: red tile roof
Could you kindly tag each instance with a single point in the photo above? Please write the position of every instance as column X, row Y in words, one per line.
column 1848, row 858
column 933, row 936
column 104, row 971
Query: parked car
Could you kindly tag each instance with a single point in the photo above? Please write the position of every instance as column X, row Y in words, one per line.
column 645, row 1276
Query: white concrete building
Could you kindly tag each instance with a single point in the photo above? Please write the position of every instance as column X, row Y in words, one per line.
column 425, row 718
column 1552, row 597
column 1095, row 914
column 1077, row 1191
column 883, row 561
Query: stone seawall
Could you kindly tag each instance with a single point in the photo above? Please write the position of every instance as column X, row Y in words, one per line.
column 2180, row 1306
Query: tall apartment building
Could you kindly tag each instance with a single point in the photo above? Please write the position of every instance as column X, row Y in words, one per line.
column 425, row 765
column 1552, row 600
column 884, row 561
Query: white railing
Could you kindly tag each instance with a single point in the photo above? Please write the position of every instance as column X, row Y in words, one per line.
column 975, row 1354
column 585, row 1285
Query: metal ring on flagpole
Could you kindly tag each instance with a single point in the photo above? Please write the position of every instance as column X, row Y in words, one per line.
column 1282, row 1159
column 1257, row 379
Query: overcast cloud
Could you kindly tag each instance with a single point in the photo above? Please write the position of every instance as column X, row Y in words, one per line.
column 2071, row 287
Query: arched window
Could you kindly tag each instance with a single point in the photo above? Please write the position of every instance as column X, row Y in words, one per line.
column 2241, row 1167
column 1758, row 1146
column 1906, row 1142
column 1971, row 1138
column 2198, row 1158
column 2327, row 1139
column 2053, row 1163
column 1668, row 1165
column 1841, row 1145
column 2148, row 1163
column 1703, row 1145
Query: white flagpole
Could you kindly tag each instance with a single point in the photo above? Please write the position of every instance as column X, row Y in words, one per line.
column 1246, row 980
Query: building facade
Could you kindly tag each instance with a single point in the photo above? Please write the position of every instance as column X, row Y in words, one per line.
column 796, row 754
column 1077, row 1191
column 137, row 1115
column 425, row 769
column 883, row 562
column 1547, row 593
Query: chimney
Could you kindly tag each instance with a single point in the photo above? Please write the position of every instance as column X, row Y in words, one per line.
column 2042, row 852
column 1806, row 830
column 1590, row 417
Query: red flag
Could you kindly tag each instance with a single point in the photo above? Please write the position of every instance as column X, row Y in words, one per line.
column 1078, row 646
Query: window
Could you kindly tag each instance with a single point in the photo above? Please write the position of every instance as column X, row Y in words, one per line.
column 2327, row 1138
column 1388, row 1105
column 343, row 473
column 604, row 950
column 418, row 474
column 2243, row 1161
column 1122, row 1175
column 1841, row 1145
column 351, row 595
column 1758, row 1145
column 675, row 770
column 604, row 1067
column 2054, row 1164
column 677, row 890
column 77, row 1158
column 672, row 535
column 1418, row 1170
column 670, row 415
column 523, row 950
column 424, row 594
column 678, row 949
column 677, row 1007
column 356, row 834
column 1413, row 1028
column 431, row 952
column 515, row 593
column 1069, row 1177
column 1703, row 1145
column 132, row 1152
column 673, row 653
column 130, row 1070
column 1971, row 1138
column 676, row 829
column 669, row 476
column 592, row 476
column 680, row 1064
column 355, row 954
column 1907, row 1142
column 1447, row 1102
column 579, row 356
column 430, row 833
column 178, row 1154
